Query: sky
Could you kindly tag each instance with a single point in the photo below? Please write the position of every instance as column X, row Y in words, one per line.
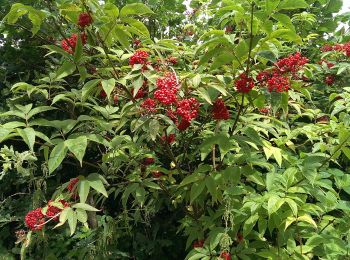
column 346, row 6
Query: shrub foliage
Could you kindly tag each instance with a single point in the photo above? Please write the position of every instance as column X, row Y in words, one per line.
column 152, row 132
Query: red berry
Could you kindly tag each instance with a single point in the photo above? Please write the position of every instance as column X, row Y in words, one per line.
column 168, row 138
column 72, row 188
column 329, row 80
column 187, row 109
column 53, row 211
column 183, row 125
column 228, row 29
column 264, row 110
column 148, row 161
column 240, row 237
column 291, row 63
column 244, row 84
column 140, row 93
column 115, row 99
column 278, row 83
column 137, row 42
column 149, row 105
column 166, row 89
column 172, row 60
column 263, row 76
column 225, row 255
column 70, row 43
column 139, row 57
column 103, row 94
column 35, row 219
column 84, row 20
column 220, row 111
column 157, row 174
column 326, row 48
column 198, row 243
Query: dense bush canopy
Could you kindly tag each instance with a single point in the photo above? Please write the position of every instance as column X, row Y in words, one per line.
column 156, row 130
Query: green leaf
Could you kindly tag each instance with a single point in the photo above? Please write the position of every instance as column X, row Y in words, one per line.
column 139, row 26
column 189, row 179
column 38, row 110
column 78, row 50
column 289, row 221
column 65, row 70
column 111, row 10
column 63, row 216
column 271, row 5
column 222, row 59
column 249, row 224
column 196, row 190
column 135, row 9
column 211, row 186
column 284, row 20
column 78, row 147
column 83, row 190
column 154, row 128
column 308, row 219
column 84, row 206
column 203, row 93
column 292, row 4
column 89, row 87
column 108, row 86
column 97, row 184
column 122, row 36
column 56, row 49
column 72, row 221
column 293, row 206
column 56, row 156
column 274, row 203
column 81, row 215
column 28, row 136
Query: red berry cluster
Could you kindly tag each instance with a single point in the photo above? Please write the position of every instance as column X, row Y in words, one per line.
column 53, row 211
column 244, row 84
column 69, row 44
column 182, row 111
column 137, row 42
column 172, row 60
column 326, row 48
column 228, row 29
column 140, row 93
column 264, row 110
column 183, row 125
column 292, row 63
column 148, row 161
column 72, row 188
column 139, row 57
column 278, row 83
column 84, row 20
column 337, row 47
column 103, row 94
column 329, row 64
column 168, row 138
column 166, row 89
column 220, row 111
column 157, row 174
column 225, row 255
column 277, row 79
column 35, row 219
column 198, row 243
column 187, row 109
column 329, row 80
column 149, row 105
